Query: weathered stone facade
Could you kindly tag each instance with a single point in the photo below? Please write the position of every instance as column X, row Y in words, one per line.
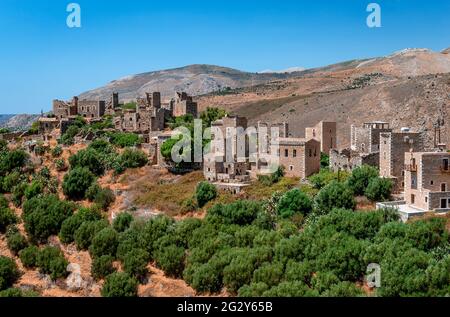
column 148, row 116
column 244, row 161
column 89, row 109
column 366, row 139
column 393, row 146
column 299, row 157
column 427, row 180
column 325, row 132
column 183, row 104
column 347, row 159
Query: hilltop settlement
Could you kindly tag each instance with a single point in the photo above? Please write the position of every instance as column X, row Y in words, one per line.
column 95, row 203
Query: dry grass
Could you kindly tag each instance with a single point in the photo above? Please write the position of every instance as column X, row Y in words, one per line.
column 167, row 195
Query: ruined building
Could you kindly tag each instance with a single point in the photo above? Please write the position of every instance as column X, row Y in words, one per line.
column 324, row 132
column 231, row 164
column 89, row 109
column 393, row 146
column 182, row 105
column 364, row 148
column 146, row 117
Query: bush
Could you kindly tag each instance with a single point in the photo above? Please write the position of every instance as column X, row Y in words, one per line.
column 204, row 193
column 60, row 165
column 101, row 146
column 51, row 261
column 324, row 160
column 44, row 215
column 87, row 231
column 12, row 160
column 36, row 188
column 269, row 274
column 170, row 259
column 17, row 292
column 135, row 263
column 120, row 285
column 294, row 201
column 28, row 256
column 379, row 189
column 11, row 180
column 122, row 222
column 360, row 178
column 18, row 192
column 76, row 183
column 131, row 158
column 102, row 267
column 73, row 223
column 90, row 159
column 123, row 139
column 8, row 272
column 241, row 212
column 7, row 218
column 57, row 151
column 68, row 137
column 104, row 243
column 93, row 191
column 104, row 198
column 325, row 176
column 16, row 242
column 334, row 195
column 3, row 202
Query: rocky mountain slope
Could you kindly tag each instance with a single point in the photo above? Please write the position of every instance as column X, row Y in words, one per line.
column 410, row 88
column 194, row 79
column 18, row 121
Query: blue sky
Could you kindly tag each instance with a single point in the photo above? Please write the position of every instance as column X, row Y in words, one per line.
column 42, row 59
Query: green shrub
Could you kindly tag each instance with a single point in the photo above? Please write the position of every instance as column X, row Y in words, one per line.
column 16, row 242
column 17, row 292
column 76, row 183
column 123, row 139
column 73, row 223
column 86, row 232
column 12, row 160
column 120, row 285
column 104, row 243
column 68, row 137
column 92, row 191
column 131, row 158
column 135, row 263
column 102, row 267
column 268, row 180
column 57, row 151
column 89, row 159
column 60, row 165
column 9, row 272
column 334, row 195
column 101, row 146
column 269, row 273
column 28, row 256
column 104, row 198
column 18, row 192
column 324, row 160
column 122, row 222
column 325, row 176
column 11, row 180
column 242, row 212
column 204, row 193
column 7, row 218
column 36, row 188
column 51, row 261
column 360, row 178
column 379, row 189
column 44, row 215
column 294, row 201
column 170, row 259
column 253, row 290
column 3, row 202
column 290, row 289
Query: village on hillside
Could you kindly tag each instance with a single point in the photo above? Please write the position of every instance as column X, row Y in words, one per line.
column 95, row 204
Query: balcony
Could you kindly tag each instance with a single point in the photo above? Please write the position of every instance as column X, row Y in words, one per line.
column 411, row 167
